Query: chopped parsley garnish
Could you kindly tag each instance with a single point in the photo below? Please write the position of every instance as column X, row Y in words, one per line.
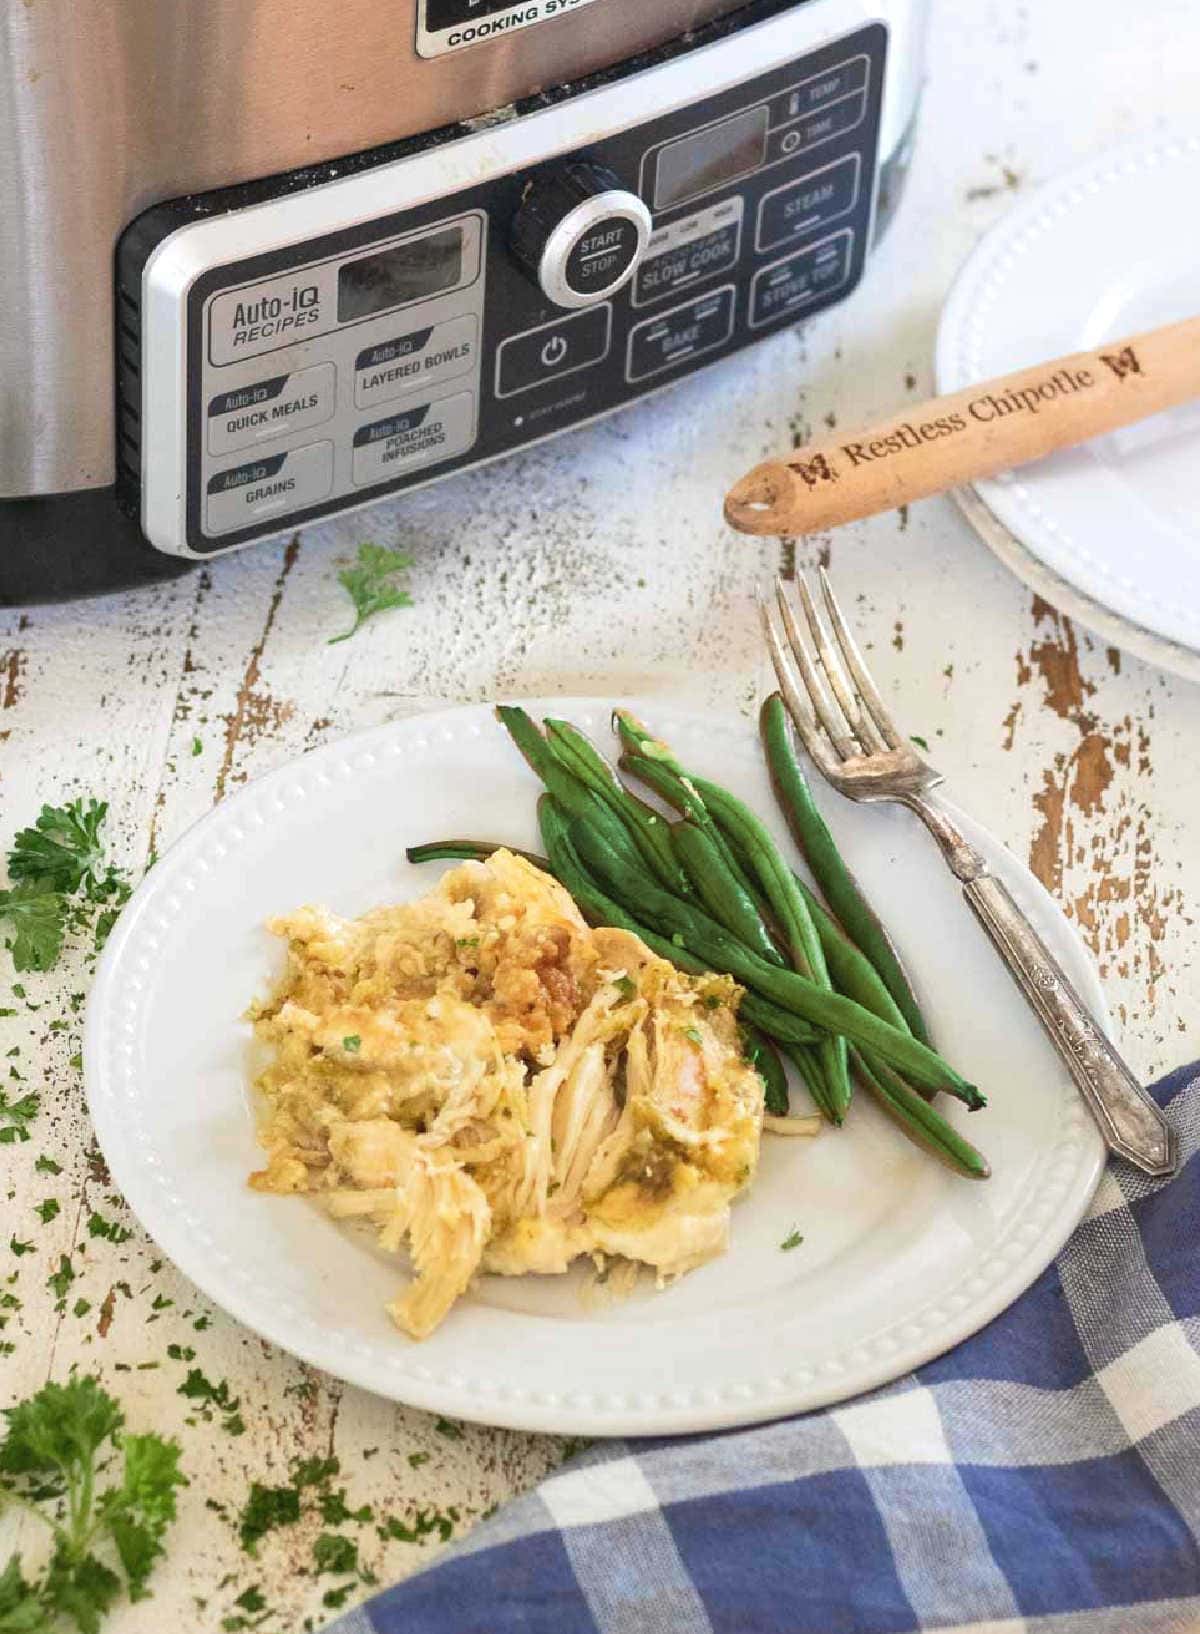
column 335, row 1511
column 466, row 941
column 48, row 1210
column 267, row 1508
column 98, row 1226
column 425, row 1522
column 416, row 1459
column 352, row 1043
column 47, row 1165
column 677, row 939
column 626, row 986
column 335, row 1554
column 315, row 1471
column 792, row 1240
column 59, row 871
column 372, row 586
column 692, row 1034
column 59, row 1281
column 446, row 1427
column 15, row 1118
column 197, row 747
column 60, row 1442
column 19, row 1248
column 920, row 742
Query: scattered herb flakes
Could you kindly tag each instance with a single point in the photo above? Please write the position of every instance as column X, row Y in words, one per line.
column 201, row 1323
column 446, row 1427
column 352, row 1043
column 371, row 584
column 181, row 1353
column 98, row 1226
column 336, row 1512
column 416, row 1459
column 76, row 1063
column 235, row 1424
column 58, row 1442
column 252, row 1611
column 266, row 1509
column 302, row 1389
column 920, row 742
column 19, row 1248
column 161, row 1303
column 59, row 1281
column 315, row 1471
column 335, row 1599
column 15, row 1117
column 626, row 986
column 792, row 1240
column 213, row 1398
column 47, row 1165
column 425, row 1522
column 81, row 1307
column 693, row 1036
column 334, row 1555
column 48, row 1210
column 197, row 747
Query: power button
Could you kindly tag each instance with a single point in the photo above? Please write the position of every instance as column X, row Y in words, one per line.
column 545, row 354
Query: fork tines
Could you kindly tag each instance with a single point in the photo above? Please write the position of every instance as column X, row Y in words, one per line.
column 825, row 683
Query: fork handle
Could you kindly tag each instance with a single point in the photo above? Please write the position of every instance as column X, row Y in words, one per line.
column 1132, row 1125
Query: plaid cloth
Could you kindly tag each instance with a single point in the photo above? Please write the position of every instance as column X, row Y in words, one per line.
column 1042, row 1478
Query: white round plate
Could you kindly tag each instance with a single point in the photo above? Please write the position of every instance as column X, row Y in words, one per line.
column 900, row 1258
column 1109, row 531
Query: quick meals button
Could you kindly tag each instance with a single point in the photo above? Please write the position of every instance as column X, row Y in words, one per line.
column 269, row 486
column 271, row 408
column 416, row 358
column 677, row 336
column 417, row 436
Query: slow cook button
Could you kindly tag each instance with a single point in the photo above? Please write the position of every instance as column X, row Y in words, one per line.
column 246, row 494
column 816, row 128
column 418, row 358
column 817, row 92
column 417, row 436
column 681, row 334
column 702, row 258
column 553, row 349
column 812, row 201
column 799, row 280
column 270, row 408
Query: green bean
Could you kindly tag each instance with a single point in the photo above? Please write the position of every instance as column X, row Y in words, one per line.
column 639, row 741
column 600, row 909
column 566, row 788
column 470, row 851
column 739, row 823
column 649, row 831
column 850, row 972
column 705, row 939
column 918, row 1119
column 837, row 883
column 720, row 891
column 762, row 1056
column 807, row 1063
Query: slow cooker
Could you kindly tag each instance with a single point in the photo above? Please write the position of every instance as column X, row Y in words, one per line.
column 265, row 261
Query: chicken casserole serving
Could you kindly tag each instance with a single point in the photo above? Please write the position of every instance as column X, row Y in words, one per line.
column 496, row 1086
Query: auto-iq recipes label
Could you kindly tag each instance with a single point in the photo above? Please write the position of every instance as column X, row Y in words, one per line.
column 448, row 25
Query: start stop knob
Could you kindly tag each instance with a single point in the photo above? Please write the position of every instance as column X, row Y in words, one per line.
column 579, row 233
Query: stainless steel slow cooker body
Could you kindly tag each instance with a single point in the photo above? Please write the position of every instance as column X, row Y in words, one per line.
column 110, row 108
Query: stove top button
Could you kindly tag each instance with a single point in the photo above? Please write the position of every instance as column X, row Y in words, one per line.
column 579, row 233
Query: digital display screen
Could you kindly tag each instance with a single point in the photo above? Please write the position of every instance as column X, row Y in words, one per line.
column 407, row 272
column 710, row 158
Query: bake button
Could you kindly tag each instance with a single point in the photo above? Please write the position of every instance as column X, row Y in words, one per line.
column 417, row 358
column 421, row 435
column 683, row 333
column 271, row 408
column 553, row 349
column 799, row 281
column 816, row 128
column 819, row 90
column 268, row 486
column 813, row 201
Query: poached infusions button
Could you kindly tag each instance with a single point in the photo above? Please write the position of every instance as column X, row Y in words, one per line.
column 552, row 349
column 419, row 357
column 270, row 485
column 269, row 408
column 416, row 436
column 681, row 334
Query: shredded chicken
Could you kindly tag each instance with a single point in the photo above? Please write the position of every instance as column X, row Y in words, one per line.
column 495, row 1086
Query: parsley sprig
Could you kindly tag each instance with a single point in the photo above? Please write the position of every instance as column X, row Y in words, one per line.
column 60, row 1442
column 372, row 585
column 60, row 879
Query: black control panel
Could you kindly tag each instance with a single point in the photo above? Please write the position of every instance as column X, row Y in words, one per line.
column 358, row 363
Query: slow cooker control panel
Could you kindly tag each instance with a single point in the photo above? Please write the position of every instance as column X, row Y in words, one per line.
column 352, row 359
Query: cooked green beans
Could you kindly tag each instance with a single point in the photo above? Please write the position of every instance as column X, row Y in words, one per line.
column 469, row 851
column 918, row 1119
column 705, row 939
column 573, row 795
column 761, row 1054
column 838, row 884
column 720, row 891
column 850, row 972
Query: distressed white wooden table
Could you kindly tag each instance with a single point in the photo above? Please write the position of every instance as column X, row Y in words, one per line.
column 597, row 564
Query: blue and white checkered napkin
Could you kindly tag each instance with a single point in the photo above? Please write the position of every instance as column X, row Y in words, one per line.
column 1042, row 1478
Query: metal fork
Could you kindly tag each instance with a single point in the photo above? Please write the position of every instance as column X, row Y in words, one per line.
column 851, row 738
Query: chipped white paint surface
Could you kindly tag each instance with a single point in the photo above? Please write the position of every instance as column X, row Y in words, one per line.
column 597, row 564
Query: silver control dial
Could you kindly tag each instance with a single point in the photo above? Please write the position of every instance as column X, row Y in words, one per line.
column 579, row 233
